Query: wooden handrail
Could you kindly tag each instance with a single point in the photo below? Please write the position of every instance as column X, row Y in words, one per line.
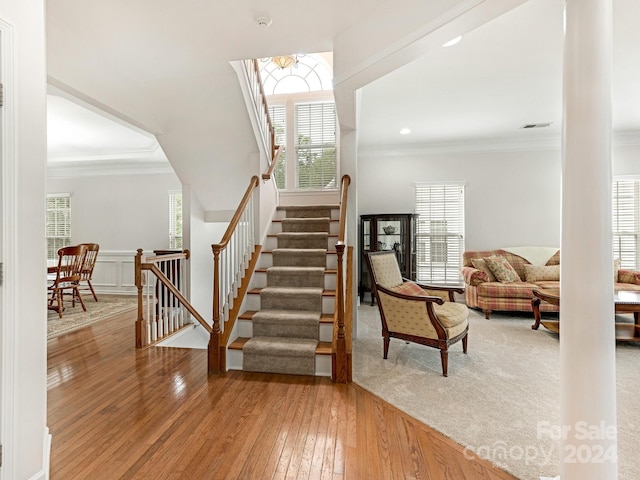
column 167, row 283
column 233, row 224
column 169, row 256
column 274, row 161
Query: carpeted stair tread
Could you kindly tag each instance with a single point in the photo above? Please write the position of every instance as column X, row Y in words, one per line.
column 291, row 298
column 302, row 239
column 306, row 224
column 281, row 346
column 295, row 277
column 287, row 323
column 248, row 315
column 302, row 257
column 323, row 348
column 295, row 356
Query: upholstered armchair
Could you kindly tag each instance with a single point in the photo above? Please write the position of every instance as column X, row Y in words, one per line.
column 416, row 313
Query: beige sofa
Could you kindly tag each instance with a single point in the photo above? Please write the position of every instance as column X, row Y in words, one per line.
column 483, row 291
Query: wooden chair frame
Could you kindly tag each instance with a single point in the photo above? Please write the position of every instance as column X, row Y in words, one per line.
column 70, row 261
column 443, row 341
column 88, row 265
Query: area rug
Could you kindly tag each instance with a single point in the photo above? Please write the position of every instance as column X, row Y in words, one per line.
column 501, row 399
column 74, row 318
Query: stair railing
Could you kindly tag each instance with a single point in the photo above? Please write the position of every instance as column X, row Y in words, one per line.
column 234, row 260
column 341, row 361
column 162, row 305
column 252, row 71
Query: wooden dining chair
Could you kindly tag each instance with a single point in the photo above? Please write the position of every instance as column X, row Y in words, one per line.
column 67, row 279
column 88, row 265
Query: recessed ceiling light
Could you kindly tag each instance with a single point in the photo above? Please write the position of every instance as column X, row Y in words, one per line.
column 453, row 41
column 405, row 131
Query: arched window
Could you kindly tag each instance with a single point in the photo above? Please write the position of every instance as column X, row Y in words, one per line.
column 309, row 73
column 302, row 110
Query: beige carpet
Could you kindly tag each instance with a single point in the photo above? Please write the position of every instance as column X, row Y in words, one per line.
column 495, row 397
column 74, row 318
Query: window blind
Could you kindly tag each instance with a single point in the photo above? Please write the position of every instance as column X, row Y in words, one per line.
column 439, row 232
column 278, row 114
column 175, row 220
column 58, row 223
column 626, row 222
column 315, row 143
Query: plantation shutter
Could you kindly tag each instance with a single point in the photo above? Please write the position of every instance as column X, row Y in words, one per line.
column 626, row 222
column 315, row 143
column 278, row 114
column 58, row 223
column 175, row 220
column 439, row 232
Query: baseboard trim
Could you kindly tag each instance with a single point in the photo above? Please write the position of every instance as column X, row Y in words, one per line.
column 43, row 474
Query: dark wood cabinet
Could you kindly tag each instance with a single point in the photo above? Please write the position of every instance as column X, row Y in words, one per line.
column 395, row 232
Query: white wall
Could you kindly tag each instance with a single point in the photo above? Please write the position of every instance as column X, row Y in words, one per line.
column 121, row 213
column 24, row 436
column 512, row 198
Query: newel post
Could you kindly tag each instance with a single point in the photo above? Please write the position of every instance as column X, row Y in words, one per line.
column 141, row 324
column 214, row 360
column 340, row 373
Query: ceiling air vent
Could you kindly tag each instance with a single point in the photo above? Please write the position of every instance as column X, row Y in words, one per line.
column 536, row 125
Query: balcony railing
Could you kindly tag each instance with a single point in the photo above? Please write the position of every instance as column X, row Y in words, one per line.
column 163, row 308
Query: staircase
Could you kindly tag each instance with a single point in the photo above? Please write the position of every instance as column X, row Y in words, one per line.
column 287, row 326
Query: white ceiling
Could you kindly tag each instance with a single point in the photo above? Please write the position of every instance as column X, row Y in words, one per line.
column 501, row 76
column 152, row 62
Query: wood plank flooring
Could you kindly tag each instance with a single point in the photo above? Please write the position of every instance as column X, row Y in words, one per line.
column 116, row 412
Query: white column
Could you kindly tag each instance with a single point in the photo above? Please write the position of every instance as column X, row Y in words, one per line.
column 587, row 339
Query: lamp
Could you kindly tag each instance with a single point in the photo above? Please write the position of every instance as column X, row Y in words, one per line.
column 285, row 61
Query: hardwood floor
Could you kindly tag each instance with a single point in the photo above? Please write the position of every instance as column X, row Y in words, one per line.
column 117, row 412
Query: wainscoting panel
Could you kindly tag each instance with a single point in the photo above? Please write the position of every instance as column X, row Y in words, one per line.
column 114, row 272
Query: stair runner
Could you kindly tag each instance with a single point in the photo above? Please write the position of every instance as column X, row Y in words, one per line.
column 286, row 328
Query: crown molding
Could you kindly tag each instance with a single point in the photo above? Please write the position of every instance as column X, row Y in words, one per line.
column 106, row 168
column 495, row 145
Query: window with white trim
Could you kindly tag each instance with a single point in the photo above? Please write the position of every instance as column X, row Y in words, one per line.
column 626, row 222
column 58, row 223
column 315, row 145
column 175, row 220
column 439, row 232
column 303, row 113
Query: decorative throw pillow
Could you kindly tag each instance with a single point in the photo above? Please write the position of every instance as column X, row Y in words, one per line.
column 535, row 273
column 616, row 269
column 409, row 288
column 502, row 269
column 481, row 265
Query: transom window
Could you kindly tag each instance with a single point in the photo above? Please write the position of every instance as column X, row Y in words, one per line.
column 310, row 73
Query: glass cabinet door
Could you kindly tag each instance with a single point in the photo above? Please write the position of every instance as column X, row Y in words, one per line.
column 391, row 232
column 366, row 234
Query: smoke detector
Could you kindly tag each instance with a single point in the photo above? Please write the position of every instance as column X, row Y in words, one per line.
column 263, row 22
